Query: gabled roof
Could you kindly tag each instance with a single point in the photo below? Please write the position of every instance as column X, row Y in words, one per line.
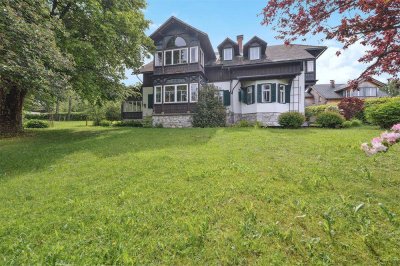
column 255, row 39
column 284, row 52
column 203, row 37
column 228, row 42
column 326, row 90
column 372, row 80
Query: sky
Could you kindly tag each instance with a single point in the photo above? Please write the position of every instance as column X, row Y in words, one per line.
column 229, row 18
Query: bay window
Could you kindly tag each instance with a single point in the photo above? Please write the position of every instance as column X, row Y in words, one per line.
column 177, row 56
column 254, row 53
column 176, row 93
column 158, row 58
column 181, row 93
column 158, row 93
column 194, row 54
column 228, row 53
column 194, row 92
column 132, row 106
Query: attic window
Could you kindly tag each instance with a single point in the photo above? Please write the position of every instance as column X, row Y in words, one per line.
column 228, row 53
column 255, row 53
column 176, row 42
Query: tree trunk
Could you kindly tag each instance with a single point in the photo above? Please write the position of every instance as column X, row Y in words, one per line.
column 11, row 110
column 58, row 110
column 69, row 108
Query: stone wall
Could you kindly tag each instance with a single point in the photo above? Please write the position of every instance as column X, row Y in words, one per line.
column 266, row 119
column 178, row 120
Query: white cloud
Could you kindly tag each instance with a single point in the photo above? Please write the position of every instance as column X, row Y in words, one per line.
column 344, row 67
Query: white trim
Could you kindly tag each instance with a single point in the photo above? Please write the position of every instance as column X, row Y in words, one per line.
column 265, row 85
column 231, row 54
column 155, row 94
column 282, row 96
column 172, row 56
column 196, row 53
column 190, row 92
column 255, row 53
column 176, row 93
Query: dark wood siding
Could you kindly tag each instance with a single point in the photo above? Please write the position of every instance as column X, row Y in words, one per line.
column 132, row 115
column 178, row 69
column 174, row 108
column 147, row 80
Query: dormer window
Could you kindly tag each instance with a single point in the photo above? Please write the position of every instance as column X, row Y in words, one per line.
column 228, row 53
column 255, row 53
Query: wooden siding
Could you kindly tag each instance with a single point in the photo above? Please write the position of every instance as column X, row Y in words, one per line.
column 132, row 115
column 148, row 80
column 178, row 69
column 174, row 108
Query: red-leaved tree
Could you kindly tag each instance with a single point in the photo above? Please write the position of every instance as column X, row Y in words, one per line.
column 351, row 107
column 373, row 23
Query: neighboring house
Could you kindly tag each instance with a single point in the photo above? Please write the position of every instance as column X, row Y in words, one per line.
column 332, row 93
column 256, row 82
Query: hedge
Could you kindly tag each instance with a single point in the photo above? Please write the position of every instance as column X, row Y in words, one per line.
column 75, row 116
column 384, row 115
column 315, row 110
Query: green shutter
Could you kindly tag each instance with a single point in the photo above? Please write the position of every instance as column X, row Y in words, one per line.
column 253, row 94
column 227, row 98
column 240, row 95
column 150, row 100
column 244, row 95
column 259, row 93
column 287, row 93
column 273, row 92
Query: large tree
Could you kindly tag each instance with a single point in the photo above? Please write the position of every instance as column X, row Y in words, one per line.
column 48, row 46
column 373, row 23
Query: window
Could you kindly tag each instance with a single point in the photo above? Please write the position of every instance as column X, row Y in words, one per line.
column 266, row 92
column 228, row 53
column 310, row 66
column 168, row 58
column 220, row 96
column 169, row 94
column 158, row 59
column 194, row 54
column 178, row 56
column 250, row 95
column 181, row 93
column 201, row 58
column 254, row 53
column 158, row 92
column 132, row 106
column 176, row 42
column 175, row 93
column 281, row 93
column 194, row 92
column 370, row 92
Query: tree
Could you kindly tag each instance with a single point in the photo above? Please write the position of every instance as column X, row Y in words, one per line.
column 210, row 112
column 351, row 107
column 53, row 45
column 374, row 24
column 392, row 88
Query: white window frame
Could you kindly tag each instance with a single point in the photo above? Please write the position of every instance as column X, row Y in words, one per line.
column 266, row 87
column 156, row 61
column 249, row 93
column 173, row 58
column 196, row 59
column 225, row 53
column 137, row 106
column 155, row 94
column 194, row 86
column 282, row 93
column 201, row 57
column 176, row 93
column 312, row 64
column 257, row 53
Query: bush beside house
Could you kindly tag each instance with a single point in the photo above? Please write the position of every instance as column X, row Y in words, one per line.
column 330, row 120
column 291, row 120
column 210, row 112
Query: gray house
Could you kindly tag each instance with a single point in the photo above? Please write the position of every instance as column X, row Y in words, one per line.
column 256, row 81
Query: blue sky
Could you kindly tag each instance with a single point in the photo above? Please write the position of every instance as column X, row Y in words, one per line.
column 229, row 18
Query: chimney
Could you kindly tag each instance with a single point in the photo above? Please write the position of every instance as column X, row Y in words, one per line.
column 332, row 83
column 239, row 39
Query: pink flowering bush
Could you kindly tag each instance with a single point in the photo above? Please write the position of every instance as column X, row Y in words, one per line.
column 383, row 142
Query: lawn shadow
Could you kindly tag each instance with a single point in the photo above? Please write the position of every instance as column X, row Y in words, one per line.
column 42, row 148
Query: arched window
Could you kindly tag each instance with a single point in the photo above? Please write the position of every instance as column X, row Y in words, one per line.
column 176, row 42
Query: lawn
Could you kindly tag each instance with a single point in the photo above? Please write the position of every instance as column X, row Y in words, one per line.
column 87, row 195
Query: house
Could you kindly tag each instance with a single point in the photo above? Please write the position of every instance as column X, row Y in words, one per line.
column 332, row 93
column 256, row 81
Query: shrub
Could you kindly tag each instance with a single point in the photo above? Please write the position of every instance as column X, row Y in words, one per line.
column 351, row 107
column 315, row 110
column 330, row 120
column 244, row 123
column 105, row 123
column 384, row 115
column 113, row 111
column 74, row 116
column 291, row 119
column 210, row 112
column 129, row 123
column 35, row 123
column 356, row 123
column 377, row 101
column 347, row 124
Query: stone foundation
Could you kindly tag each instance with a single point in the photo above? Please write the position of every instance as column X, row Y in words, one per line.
column 266, row 119
column 176, row 120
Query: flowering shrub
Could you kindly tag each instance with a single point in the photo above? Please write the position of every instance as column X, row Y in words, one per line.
column 383, row 142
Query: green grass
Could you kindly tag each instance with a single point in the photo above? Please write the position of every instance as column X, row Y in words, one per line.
column 86, row 195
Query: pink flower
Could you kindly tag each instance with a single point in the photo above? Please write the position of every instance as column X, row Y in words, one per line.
column 396, row 128
column 379, row 147
column 377, row 140
column 390, row 138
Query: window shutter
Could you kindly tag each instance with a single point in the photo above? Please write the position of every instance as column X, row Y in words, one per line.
column 227, row 98
column 287, row 93
column 240, row 95
column 259, row 93
column 150, row 100
column 244, row 95
column 279, row 93
column 273, row 92
column 253, row 94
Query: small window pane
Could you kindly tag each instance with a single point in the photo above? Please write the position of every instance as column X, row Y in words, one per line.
column 169, row 94
column 310, row 66
column 158, row 94
column 194, row 92
column 228, row 54
column 179, row 42
column 158, row 59
column 176, row 56
column 194, row 54
column 266, row 96
column 181, row 92
column 254, row 53
column 168, row 57
column 184, row 56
